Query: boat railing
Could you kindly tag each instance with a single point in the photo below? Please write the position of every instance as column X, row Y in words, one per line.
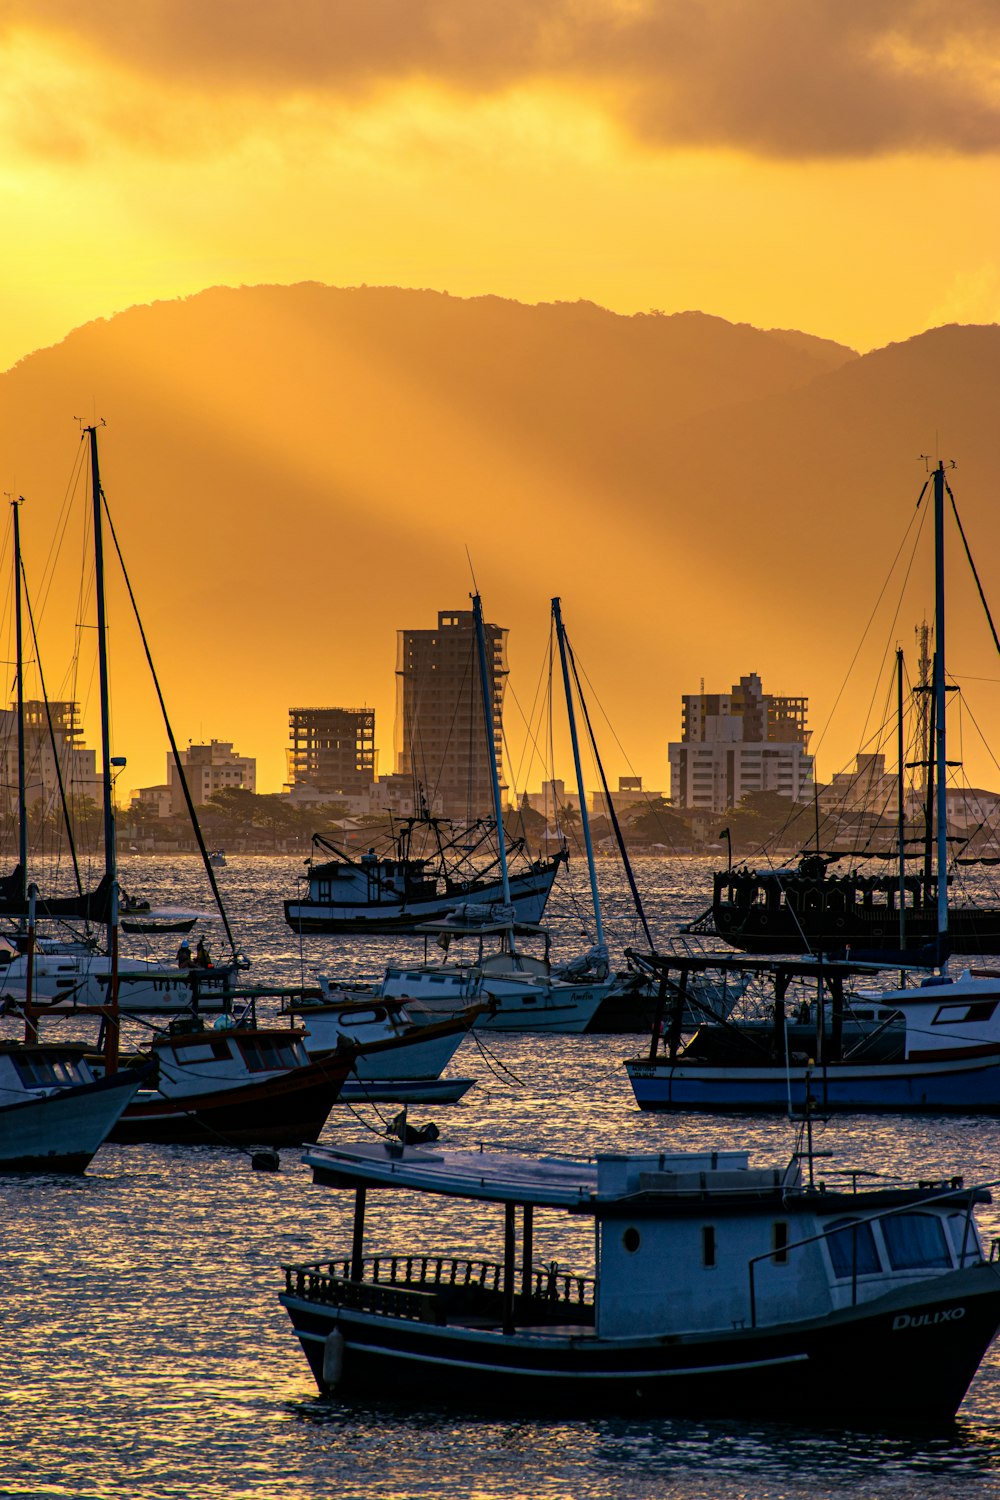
column 955, row 1191
column 425, row 1287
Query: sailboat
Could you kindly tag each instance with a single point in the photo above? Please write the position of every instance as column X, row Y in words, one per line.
column 812, row 908
column 54, row 1112
column 521, row 990
column 951, row 1050
column 55, row 976
column 233, row 1082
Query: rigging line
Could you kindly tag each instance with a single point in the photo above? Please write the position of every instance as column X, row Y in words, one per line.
column 870, row 806
column 874, row 611
column 60, row 530
column 975, row 574
column 891, row 633
column 528, row 721
column 173, row 743
column 609, row 804
column 490, row 1058
column 52, row 736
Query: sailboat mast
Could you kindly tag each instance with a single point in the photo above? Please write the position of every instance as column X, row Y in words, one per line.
column 491, row 751
column 584, row 818
column 940, row 693
column 901, row 808
column 22, row 795
column 102, row 658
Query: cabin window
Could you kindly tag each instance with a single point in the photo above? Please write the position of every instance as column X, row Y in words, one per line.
column 852, row 1248
column 915, row 1241
column 979, row 1010
column 631, row 1239
column 779, row 1242
column 261, row 1054
column 199, row 1052
column 708, row 1245
column 963, row 1239
column 46, row 1073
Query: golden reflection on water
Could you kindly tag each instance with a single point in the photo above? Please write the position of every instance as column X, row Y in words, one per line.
column 145, row 1352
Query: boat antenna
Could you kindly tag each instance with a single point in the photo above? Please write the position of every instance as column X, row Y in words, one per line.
column 110, row 863
column 940, row 700
column 472, row 572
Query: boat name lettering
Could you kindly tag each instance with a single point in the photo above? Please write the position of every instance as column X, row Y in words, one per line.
column 927, row 1320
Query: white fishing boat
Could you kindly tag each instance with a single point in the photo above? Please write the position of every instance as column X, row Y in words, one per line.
column 395, row 893
column 716, row 1288
column 524, row 991
column 409, row 1067
column 76, row 977
column 55, row 1113
column 517, row 991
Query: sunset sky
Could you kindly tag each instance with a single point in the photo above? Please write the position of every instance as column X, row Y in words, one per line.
column 827, row 165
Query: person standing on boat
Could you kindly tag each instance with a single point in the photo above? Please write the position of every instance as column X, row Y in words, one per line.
column 202, row 957
column 184, row 955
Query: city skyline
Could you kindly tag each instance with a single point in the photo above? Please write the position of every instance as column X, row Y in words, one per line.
column 711, row 449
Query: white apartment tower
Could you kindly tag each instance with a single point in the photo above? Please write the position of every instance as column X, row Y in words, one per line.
column 208, row 769
column 739, row 742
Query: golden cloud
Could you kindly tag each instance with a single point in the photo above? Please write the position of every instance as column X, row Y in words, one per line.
column 778, row 78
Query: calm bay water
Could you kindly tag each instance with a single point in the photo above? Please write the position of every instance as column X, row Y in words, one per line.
column 145, row 1353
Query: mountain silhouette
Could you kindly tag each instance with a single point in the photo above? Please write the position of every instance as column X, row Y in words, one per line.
column 296, row 472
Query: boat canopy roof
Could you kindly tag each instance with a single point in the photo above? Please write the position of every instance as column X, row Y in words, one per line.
column 581, row 1186
column 456, row 927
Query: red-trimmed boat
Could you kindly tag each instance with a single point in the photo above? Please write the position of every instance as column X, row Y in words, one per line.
column 235, row 1085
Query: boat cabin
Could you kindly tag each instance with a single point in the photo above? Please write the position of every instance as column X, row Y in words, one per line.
column 684, row 1243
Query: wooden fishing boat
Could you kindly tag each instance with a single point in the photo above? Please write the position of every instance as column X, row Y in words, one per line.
column 717, row 1289
column 235, row 1085
column 54, row 1112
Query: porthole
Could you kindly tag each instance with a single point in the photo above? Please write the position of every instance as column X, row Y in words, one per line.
column 630, row 1239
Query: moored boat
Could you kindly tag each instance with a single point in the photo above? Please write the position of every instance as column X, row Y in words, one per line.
column 54, row 1113
column 235, row 1085
column 717, row 1288
column 391, row 1044
column 394, row 894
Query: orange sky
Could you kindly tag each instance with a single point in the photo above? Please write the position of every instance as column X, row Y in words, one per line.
column 824, row 165
column 827, row 165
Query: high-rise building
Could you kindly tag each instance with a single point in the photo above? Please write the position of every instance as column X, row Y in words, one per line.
column 740, row 742
column 440, row 727
column 332, row 750
column 209, row 769
column 44, row 747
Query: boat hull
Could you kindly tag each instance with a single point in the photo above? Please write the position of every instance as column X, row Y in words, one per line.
column 528, row 896
column 921, row 1351
column 283, row 1109
column 955, row 1086
column 762, row 930
column 405, row 1090
column 62, row 1131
